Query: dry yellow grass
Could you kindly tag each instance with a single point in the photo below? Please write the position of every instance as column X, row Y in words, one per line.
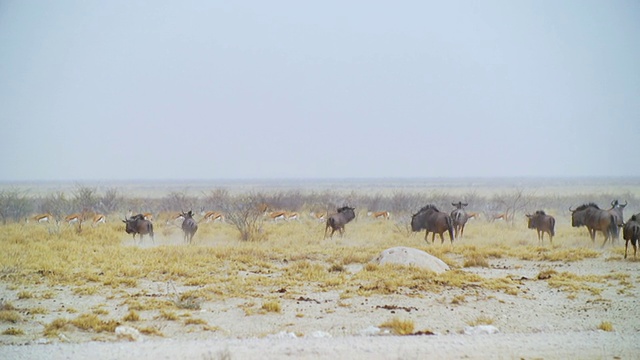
column 399, row 326
column 102, row 262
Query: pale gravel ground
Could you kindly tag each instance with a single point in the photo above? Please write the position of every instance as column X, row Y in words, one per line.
column 576, row 345
column 539, row 323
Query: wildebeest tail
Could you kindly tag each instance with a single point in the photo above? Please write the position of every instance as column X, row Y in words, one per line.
column 613, row 227
column 450, row 227
column 552, row 225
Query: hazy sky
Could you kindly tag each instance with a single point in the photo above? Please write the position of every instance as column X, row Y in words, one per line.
column 99, row 90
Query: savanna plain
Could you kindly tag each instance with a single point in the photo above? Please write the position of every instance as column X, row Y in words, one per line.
column 248, row 286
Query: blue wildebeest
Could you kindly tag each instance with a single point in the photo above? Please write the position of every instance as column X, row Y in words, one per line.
column 631, row 232
column 339, row 220
column 138, row 225
column 459, row 217
column 543, row 223
column 595, row 219
column 432, row 220
column 189, row 226
column 616, row 211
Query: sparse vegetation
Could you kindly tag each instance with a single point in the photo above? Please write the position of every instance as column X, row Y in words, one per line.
column 399, row 326
column 605, row 326
column 267, row 267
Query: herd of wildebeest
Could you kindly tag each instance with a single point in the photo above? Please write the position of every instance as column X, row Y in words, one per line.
column 428, row 218
column 434, row 221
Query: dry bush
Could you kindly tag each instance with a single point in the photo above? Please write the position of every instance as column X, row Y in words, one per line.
column 13, row 331
column 272, row 306
column 399, row 326
column 605, row 326
column 481, row 320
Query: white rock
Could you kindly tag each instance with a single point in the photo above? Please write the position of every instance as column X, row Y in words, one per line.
column 320, row 334
column 370, row 331
column 128, row 333
column 481, row 330
column 283, row 335
column 409, row 256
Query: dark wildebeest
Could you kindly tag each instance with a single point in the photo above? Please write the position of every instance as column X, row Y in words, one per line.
column 189, row 226
column 138, row 225
column 337, row 221
column 432, row 220
column 631, row 232
column 543, row 223
column 459, row 217
column 595, row 219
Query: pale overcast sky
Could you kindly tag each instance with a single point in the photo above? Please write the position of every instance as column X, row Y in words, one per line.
column 118, row 90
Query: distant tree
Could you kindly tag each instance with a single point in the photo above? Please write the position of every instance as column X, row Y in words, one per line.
column 14, row 205
column 178, row 201
column 244, row 213
column 111, row 201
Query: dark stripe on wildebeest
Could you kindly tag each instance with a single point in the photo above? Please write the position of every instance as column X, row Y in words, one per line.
column 543, row 223
column 459, row 217
column 631, row 232
column 595, row 219
column 189, row 226
column 138, row 225
column 431, row 219
column 339, row 220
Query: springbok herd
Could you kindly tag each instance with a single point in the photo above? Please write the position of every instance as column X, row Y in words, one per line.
column 428, row 218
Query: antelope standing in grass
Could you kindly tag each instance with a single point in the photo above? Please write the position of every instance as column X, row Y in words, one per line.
column 339, row 220
column 379, row 215
column 432, row 220
column 42, row 218
column 98, row 219
column 459, row 217
column 189, row 226
column 543, row 223
column 138, row 225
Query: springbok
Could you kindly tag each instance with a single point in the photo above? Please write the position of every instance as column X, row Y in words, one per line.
column 379, row 215
column 210, row 216
column 41, row 218
column 290, row 215
column 277, row 215
column 98, row 219
column 74, row 218
column 501, row 216
column 320, row 216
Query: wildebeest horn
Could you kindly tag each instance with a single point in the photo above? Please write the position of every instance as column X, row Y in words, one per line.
column 625, row 203
column 571, row 209
column 614, row 203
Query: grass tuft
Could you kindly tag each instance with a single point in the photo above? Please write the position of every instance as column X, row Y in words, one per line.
column 399, row 326
column 605, row 326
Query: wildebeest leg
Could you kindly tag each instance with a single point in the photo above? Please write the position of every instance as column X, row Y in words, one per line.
column 626, row 246
column 433, row 237
column 441, row 237
column 461, row 231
